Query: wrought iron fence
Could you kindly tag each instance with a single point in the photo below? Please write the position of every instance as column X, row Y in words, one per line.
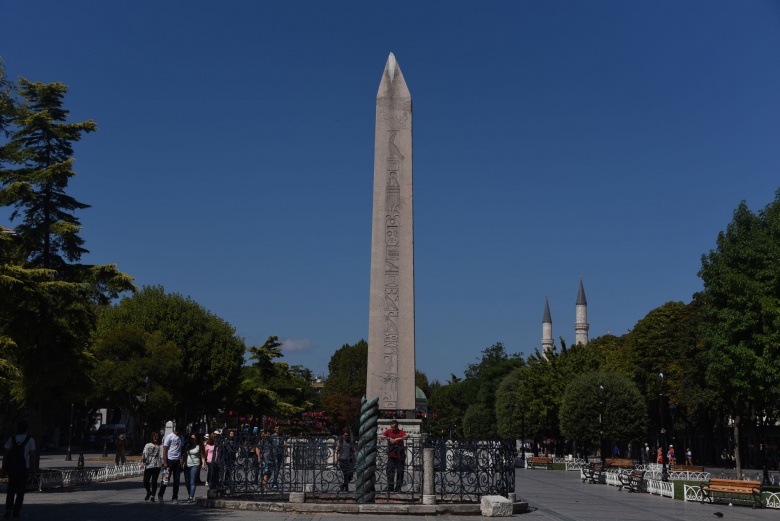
column 263, row 469
column 466, row 470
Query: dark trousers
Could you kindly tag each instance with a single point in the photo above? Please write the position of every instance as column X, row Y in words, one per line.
column 17, row 483
column 211, row 475
column 347, row 470
column 174, row 467
column 395, row 474
column 150, row 480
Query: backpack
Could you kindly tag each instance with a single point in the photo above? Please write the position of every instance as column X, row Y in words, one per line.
column 15, row 460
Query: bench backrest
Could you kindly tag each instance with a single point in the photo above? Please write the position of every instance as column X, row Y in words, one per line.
column 541, row 459
column 734, row 483
column 620, row 462
column 638, row 474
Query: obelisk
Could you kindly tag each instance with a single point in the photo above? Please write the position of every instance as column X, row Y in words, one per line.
column 391, row 307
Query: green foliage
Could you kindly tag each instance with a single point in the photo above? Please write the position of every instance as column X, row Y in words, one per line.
column 741, row 306
column 346, row 383
column 212, row 354
column 451, row 402
column 620, row 406
column 479, row 423
column 741, row 309
column 131, row 363
column 273, row 388
column 49, row 299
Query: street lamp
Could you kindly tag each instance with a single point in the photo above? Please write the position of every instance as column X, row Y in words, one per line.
column 522, row 430
column 70, row 435
column 601, row 426
column 661, row 380
column 511, row 409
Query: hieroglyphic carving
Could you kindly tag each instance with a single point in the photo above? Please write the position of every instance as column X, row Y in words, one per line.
column 392, row 286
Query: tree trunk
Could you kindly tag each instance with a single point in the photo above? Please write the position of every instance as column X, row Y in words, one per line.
column 737, row 455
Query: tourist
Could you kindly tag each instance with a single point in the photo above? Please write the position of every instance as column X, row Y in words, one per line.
column 120, row 444
column 343, row 456
column 396, row 454
column 16, row 465
column 264, row 453
column 194, row 462
column 646, row 453
column 670, row 455
column 278, row 453
column 173, row 461
column 688, row 456
column 211, row 463
column 152, row 460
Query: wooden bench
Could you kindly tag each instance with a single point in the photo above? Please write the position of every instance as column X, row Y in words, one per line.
column 687, row 468
column 593, row 473
column 620, row 463
column 732, row 489
column 539, row 461
column 633, row 480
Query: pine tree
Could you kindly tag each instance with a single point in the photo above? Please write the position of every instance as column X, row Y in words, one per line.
column 48, row 322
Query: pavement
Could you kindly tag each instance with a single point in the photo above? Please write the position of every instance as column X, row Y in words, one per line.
column 551, row 495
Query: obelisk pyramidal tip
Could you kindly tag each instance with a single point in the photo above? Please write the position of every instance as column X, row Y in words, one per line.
column 391, row 364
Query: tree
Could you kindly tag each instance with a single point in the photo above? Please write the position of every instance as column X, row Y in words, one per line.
column 273, row 387
column 40, row 149
column 51, row 330
column 346, row 383
column 212, row 354
column 610, row 396
column 131, row 363
column 741, row 308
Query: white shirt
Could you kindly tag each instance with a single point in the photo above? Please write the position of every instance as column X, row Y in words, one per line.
column 27, row 448
column 173, row 442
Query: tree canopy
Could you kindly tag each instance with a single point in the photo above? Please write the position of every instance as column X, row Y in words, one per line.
column 52, row 294
column 211, row 353
column 609, row 397
column 741, row 308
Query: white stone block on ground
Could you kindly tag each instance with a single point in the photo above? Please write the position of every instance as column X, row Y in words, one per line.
column 496, row 506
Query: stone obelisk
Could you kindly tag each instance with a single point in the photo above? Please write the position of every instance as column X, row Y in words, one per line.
column 391, row 308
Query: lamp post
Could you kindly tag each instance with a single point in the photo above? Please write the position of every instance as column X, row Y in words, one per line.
column 673, row 432
column 511, row 409
column 765, row 480
column 105, row 436
column 70, row 435
column 661, row 379
column 522, row 430
column 601, row 425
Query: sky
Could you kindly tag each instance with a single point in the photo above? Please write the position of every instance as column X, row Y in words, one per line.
column 553, row 140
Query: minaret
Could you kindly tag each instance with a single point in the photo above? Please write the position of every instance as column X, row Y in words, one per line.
column 581, row 325
column 547, row 338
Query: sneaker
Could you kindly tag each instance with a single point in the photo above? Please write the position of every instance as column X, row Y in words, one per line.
column 175, row 501
column 189, row 499
column 148, row 495
column 152, row 498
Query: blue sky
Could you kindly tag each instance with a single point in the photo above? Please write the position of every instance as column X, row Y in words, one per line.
column 552, row 139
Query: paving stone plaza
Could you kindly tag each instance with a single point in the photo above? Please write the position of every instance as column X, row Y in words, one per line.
column 551, row 495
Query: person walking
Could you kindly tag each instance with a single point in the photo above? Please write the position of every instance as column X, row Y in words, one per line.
column 16, row 465
column 278, row 453
column 152, row 460
column 344, row 457
column 211, row 463
column 173, row 461
column 396, row 455
column 120, row 445
column 195, row 461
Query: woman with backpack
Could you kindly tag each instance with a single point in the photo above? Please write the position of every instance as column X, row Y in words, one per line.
column 16, row 464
